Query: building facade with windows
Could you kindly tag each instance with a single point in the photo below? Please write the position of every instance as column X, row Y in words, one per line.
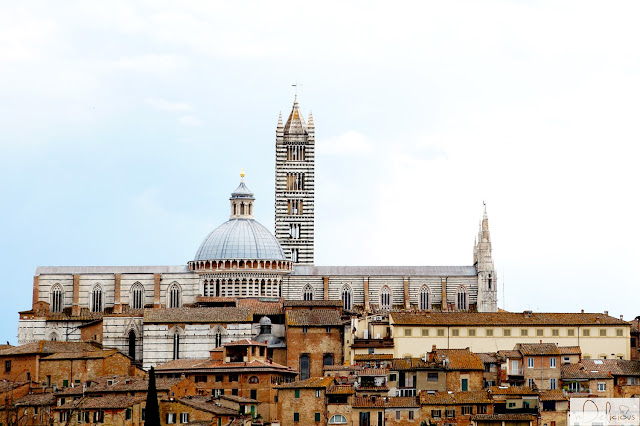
column 243, row 259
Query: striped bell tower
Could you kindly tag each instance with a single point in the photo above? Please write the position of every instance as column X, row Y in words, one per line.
column 295, row 186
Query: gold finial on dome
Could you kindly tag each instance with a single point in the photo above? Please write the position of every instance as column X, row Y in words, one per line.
column 242, row 173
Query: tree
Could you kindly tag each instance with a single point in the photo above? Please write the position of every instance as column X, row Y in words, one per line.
column 152, row 411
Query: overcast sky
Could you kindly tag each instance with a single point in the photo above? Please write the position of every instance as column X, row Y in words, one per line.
column 124, row 125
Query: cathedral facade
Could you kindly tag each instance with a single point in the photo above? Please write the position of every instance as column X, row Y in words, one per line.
column 241, row 268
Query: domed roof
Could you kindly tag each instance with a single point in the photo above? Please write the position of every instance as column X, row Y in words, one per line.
column 265, row 321
column 240, row 239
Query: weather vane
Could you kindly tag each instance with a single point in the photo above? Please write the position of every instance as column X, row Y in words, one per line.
column 296, row 85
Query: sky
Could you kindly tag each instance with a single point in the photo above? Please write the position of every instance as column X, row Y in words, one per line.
column 124, row 127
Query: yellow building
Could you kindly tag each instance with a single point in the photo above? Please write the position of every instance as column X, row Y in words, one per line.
column 598, row 335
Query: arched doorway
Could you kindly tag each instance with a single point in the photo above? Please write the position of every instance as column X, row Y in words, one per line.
column 132, row 345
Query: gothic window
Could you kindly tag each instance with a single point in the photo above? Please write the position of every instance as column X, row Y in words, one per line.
column 490, row 282
column 294, row 231
column 347, row 302
column 174, row 295
column 132, row 345
column 307, row 292
column 462, row 298
column 96, row 299
column 294, row 207
column 304, row 367
column 295, row 153
column 385, row 298
column 294, row 255
column 53, row 337
column 295, row 181
column 176, row 345
column 254, row 379
column 424, row 298
column 57, row 298
column 136, row 300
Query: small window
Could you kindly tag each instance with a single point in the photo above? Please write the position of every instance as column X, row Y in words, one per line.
column 318, row 393
column 472, row 332
column 254, row 380
column 127, row 414
column 425, row 332
column 410, row 415
column 436, row 414
column 530, row 362
column 200, row 379
column 552, row 384
column 539, row 332
column 489, row 332
column 586, row 332
column 234, row 392
column 450, row 413
column 184, row 417
column 506, row 332
column 218, row 377
column 407, row 332
column 432, row 377
column 602, row 387
column 552, row 362
column 171, row 418
column 253, row 394
column 397, row 415
column 392, row 377
column 555, row 332
column 7, row 366
column 467, row 410
column 524, row 332
column 297, row 393
column 455, row 332
column 603, row 332
column 317, row 417
column 619, row 332
column 531, row 383
column 440, row 332
column 328, row 329
column 296, row 417
column 571, row 332
column 233, row 377
column 305, row 329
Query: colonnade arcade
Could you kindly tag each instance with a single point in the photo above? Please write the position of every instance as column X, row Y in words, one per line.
column 226, row 285
column 203, row 265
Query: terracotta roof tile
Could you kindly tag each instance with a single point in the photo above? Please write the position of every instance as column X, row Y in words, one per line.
column 36, row 399
column 385, row 402
column 502, row 318
column 130, row 384
column 314, row 382
column 454, row 398
column 373, row 357
column 312, row 303
column 511, row 354
column 489, row 357
column 207, row 405
column 96, row 354
column 601, row 368
column 459, row 359
column 198, row 315
column 570, row 350
column 209, row 365
column 372, row 372
column 261, row 307
column 511, row 390
column 506, row 417
column 102, row 402
column 340, row 390
column 538, row 348
column 552, row 395
column 48, row 347
column 399, row 364
column 315, row 317
column 244, row 342
column 239, row 399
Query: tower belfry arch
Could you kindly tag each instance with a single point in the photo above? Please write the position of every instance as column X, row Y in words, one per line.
column 295, row 186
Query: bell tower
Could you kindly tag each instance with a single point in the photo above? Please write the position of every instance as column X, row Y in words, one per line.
column 295, row 186
column 487, row 276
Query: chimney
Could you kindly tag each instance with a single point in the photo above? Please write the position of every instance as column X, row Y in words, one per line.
column 582, row 311
column 540, row 341
column 621, row 316
column 606, row 312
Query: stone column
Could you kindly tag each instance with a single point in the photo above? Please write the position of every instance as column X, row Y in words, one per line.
column 117, row 306
column 75, row 307
column 156, row 290
column 445, row 304
column 407, row 302
column 326, row 287
column 36, row 290
column 366, row 294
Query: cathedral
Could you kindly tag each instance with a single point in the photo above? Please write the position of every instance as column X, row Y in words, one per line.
column 241, row 273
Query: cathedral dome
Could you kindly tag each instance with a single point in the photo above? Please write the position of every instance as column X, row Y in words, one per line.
column 240, row 239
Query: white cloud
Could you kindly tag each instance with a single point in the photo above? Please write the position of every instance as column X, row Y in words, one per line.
column 347, row 144
column 189, row 120
column 151, row 63
column 165, row 105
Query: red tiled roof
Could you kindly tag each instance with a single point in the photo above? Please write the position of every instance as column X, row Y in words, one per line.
column 244, row 342
column 340, row 390
column 36, row 399
column 209, row 365
column 372, row 372
column 506, row 417
column 552, row 395
column 570, row 350
column 373, row 357
column 459, row 359
column 538, row 348
column 102, row 402
column 315, row 317
column 385, row 402
column 261, row 307
column 502, row 318
column 399, row 364
column 601, row 368
column 454, row 398
column 511, row 390
column 489, row 357
column 49, row 347
column 312, row 303
column 198, row 315
column 511, row 354
column 204, row 404
column 96, row 354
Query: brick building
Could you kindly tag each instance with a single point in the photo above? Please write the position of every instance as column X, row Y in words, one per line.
column 442, row 408
column 198, row 409
column 304, row 401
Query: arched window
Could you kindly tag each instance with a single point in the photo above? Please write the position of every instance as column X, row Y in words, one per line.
column 385, row 298
column 136, row 300
column 254, row 379
column 57, row 299
column 174, row 295
column 307, row 292
column 424, row 298
column 132, row 345
column 53, row 337
column 305, row 367
column 294, row 255
column 347, row 302
column 338, row 419
column 327, row 359
column 176, row 345
column 96, row 299
column 462, row 298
